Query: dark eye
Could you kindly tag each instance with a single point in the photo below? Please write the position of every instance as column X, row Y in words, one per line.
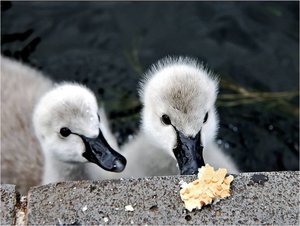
column 65, row 131
column 98, row 117
column 166, row 120
column 205, row 117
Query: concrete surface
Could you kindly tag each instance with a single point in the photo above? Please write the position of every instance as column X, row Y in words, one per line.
column 269, row 198
column 257, row 198
column 8, row 203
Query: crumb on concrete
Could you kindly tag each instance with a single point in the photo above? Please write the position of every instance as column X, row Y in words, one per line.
column 129, row 208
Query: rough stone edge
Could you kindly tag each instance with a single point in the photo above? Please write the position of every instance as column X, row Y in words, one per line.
column 19, row 213
column 13, row 196
column 248, row 178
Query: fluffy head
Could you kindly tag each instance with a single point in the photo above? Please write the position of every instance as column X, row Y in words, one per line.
column 183, row 90
column 67, row 105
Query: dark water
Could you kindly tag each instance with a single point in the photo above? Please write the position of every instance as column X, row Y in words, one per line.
column 107, row 46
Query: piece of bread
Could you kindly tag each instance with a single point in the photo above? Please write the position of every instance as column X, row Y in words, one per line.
column 210, row 186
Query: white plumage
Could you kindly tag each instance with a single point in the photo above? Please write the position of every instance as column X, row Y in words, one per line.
column 64, row 105
column 185, row 91
column 21, row 159
column 72, row 106
column 180, row 88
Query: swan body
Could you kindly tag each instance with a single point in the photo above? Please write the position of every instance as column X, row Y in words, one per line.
column 68, row 126
column 21, row 159
column 178, row 96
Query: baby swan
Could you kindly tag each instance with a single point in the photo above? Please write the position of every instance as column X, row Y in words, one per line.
column 67, row 124
column 60, row 110
column 178, row 119
column 21, row 159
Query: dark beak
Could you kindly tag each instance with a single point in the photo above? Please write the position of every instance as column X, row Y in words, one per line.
column 98, row 151
column 189, row 153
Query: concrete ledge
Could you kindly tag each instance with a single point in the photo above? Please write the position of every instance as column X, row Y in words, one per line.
column 257, row 198
column 8, row 203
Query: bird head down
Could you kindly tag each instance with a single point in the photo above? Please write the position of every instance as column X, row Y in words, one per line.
column 179, row 95
column 67, row 124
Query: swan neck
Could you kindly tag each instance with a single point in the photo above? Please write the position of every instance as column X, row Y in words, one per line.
column 56, row 170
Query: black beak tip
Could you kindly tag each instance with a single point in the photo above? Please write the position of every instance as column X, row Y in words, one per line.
column 190, row 171
column 119, row 165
